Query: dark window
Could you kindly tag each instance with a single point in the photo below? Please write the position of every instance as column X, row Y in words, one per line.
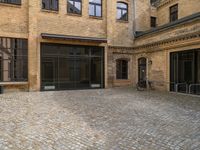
column 13, row 59
column 95, row 8
column 74, row 6
column 122, row 69
column 50, row 5
column 71, row 67
column 153, row 22
column 16, row 2
column 174, row 13
column 153, row 2
column 122, row 11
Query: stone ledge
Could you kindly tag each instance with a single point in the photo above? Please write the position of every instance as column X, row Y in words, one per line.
column 13, row 83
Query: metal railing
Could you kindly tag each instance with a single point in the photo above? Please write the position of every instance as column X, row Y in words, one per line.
column 193, row 85
column 179, row 84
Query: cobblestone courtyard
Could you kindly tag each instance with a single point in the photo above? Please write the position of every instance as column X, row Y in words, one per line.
column 108, row 119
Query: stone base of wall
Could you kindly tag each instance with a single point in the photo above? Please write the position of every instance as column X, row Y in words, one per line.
column 122, row 83
column 15, row 88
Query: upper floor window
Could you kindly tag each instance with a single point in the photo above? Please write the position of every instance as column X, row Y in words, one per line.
column 173, row 13
column 16, row 2
column 153, row 22
column 122, row 69
column 74, row 6
column 50, row 5
column 122, row 11
column 153, row 2
column 95, row 8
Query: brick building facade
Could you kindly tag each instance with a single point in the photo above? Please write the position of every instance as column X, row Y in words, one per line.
column 76, row 44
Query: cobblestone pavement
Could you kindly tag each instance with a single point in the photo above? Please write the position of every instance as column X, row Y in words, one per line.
column 108, row 119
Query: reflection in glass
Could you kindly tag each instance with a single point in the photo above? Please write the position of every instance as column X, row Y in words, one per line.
column 122, row 11
column 74, row 6
column 95, row 8
column 71, row 67
column 13, row 59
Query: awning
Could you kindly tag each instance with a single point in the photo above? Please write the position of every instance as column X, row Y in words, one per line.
column 69, row 37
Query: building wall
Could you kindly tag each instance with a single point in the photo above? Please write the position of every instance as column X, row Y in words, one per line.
column 118, row 33
column 157, row 46
column 185, row 8
column 14, row 20
column 142, row 15
column 29, row 21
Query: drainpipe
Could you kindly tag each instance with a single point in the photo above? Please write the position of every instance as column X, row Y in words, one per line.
column 147, row 73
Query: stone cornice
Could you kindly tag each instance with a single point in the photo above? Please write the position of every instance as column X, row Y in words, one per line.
column 169, row 41
column 160, row 45
column 164, row 2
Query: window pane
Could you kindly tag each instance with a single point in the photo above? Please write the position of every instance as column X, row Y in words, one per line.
column 119, row 14
column 95, row 1
column 91, row 10
column 122, row 5
column 98, row 11
column 74, row 6
column 95, row 8
column 50, row 4
column 122, row 11
column 17, row 2
column 122, row 69
column 13, row 59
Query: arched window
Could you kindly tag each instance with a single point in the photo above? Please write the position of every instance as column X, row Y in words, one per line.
column 122, row 11
column 95, row 8
column 74, row 6
column 122, row 69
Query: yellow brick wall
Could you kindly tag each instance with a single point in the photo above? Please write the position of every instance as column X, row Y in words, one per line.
column 185, row 8
column 14, row 20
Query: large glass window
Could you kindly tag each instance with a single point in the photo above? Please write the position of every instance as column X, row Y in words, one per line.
column 16, row 2
column 71, row 67
column 173, row 13
column 122, row 11
column 13, row 59
column 50, row 5
column 95, row 8
column 184, row 71
column 122, row 69
column 74, row 6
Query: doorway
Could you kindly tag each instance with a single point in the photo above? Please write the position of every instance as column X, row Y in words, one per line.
column 142, row 72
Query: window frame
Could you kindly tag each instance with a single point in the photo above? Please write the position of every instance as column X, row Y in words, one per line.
column 14, row 56
column 51, row 8
column 12, row 3
column 121, row 9
column 173, row 13
column 74, row 5
column 153, row 22
column 95, row 6
column 120, row 74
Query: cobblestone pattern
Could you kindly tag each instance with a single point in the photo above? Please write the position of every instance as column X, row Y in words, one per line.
column 108, row 119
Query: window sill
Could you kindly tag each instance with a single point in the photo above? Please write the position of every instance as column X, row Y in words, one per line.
column 49, row 11
column 95, row 17
column 10, row 5
column 14, row 83
column 122, row 21
column 122, row 79
column 73, row 14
